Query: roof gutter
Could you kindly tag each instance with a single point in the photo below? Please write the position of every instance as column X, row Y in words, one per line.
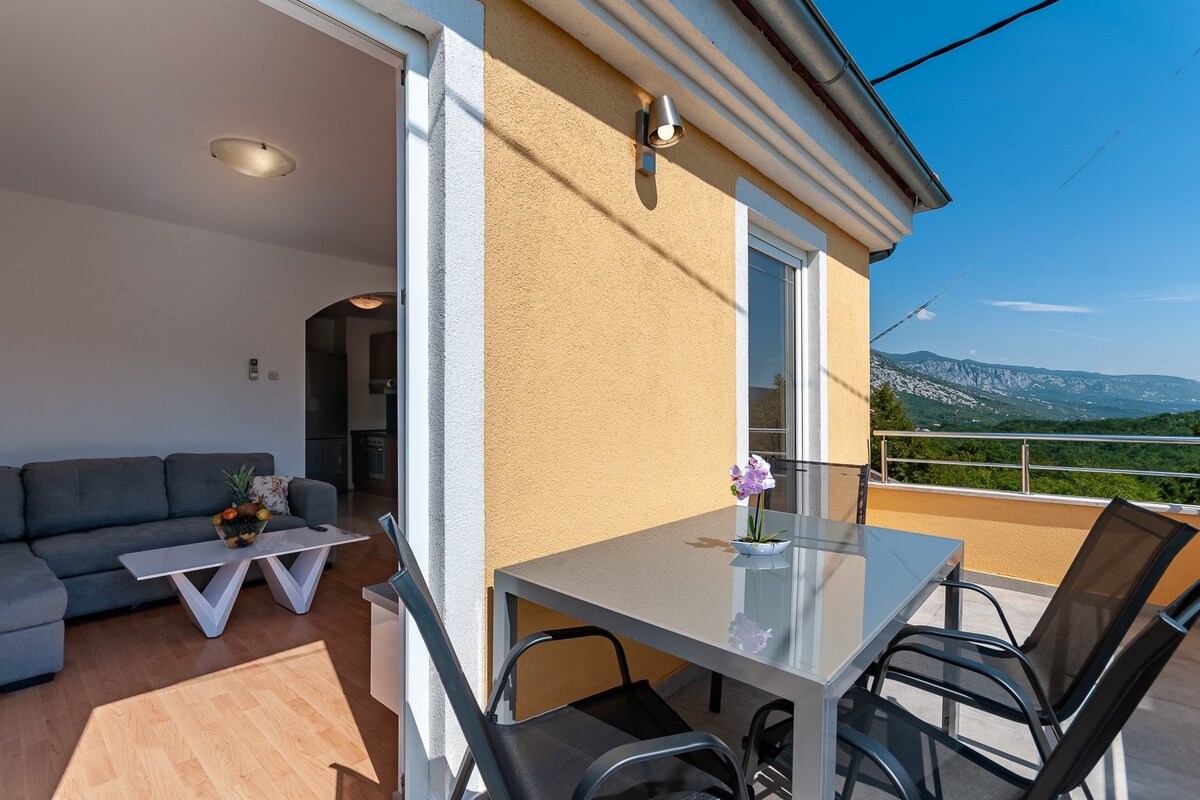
column 804, row 39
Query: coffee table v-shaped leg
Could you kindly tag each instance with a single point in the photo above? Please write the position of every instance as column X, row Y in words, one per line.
column 210, row 609
column 294, row 589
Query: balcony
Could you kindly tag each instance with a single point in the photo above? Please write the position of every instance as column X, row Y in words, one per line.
column 1021, row 537
column 280, row 705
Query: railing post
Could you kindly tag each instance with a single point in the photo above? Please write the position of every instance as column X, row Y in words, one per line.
column 883, row 458
column 1024, row 466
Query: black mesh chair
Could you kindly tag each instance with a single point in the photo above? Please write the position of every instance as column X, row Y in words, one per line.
column 819, row 489
column 886, row 752
column 814, row 489
column 625, row 742
column 1121, row 561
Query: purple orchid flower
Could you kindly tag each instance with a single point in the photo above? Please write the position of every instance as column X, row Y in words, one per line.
column 754, row 479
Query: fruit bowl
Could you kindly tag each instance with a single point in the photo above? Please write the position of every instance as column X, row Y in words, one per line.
column 240, row 531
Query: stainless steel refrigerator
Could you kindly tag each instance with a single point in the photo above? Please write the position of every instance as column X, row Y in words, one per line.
column 326, row 440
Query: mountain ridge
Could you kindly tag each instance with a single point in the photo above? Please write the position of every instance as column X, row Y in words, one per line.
column 938, row 389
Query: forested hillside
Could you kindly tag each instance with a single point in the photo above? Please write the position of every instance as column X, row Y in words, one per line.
column 890, row 414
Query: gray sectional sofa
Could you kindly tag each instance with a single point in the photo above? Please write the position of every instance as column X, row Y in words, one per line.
column 64, row 523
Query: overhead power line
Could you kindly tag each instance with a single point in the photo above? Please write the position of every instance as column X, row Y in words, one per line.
column 941, row 51
column 1000, row 236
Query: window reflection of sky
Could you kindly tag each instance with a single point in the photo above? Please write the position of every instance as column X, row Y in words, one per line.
column 771, row 285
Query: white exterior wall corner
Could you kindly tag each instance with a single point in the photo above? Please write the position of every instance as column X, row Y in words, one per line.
column 729, row 81
column 445, row 457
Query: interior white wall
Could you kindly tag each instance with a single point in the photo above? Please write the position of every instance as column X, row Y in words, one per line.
column 128, row 336
column 364, row 411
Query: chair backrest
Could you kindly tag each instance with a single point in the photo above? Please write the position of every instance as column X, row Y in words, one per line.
column 1117, row 695
column 820, row 489
column 1122, row 559
column 410, row 586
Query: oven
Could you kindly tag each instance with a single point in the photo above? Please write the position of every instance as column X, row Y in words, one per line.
column 376, row 447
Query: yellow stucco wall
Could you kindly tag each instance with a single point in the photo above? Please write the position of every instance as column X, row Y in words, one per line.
column 609, row 311
column 1032, row 540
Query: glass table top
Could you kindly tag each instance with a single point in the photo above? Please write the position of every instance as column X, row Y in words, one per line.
column 808, row 610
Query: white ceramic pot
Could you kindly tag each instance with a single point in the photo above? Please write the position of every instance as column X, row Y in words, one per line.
column 760, row 548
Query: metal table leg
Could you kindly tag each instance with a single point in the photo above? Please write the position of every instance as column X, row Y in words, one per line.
column 504, row 637
column 814, row 743
column 953, row 621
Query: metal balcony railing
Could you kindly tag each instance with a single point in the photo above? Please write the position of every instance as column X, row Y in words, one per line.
column 1026, row 466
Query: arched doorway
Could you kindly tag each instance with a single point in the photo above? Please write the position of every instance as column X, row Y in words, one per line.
column 352, row 391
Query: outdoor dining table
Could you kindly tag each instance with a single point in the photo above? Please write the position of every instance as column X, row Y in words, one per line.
column 802, row 625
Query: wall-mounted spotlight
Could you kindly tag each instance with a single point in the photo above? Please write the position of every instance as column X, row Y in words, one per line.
column 658, row 126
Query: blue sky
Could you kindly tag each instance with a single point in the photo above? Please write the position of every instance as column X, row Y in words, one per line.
column 1006, row 119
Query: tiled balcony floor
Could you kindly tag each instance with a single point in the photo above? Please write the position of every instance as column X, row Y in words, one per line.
column 1157, row 757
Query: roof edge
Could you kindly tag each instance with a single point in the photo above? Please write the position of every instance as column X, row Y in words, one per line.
column 800, row 34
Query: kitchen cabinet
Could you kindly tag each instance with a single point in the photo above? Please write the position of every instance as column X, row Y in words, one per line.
column 383, row 356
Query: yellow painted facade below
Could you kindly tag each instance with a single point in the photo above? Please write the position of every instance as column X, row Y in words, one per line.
column 610, row 315
column 1029, row 539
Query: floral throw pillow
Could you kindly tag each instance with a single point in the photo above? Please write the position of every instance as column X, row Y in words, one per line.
column 272, row 492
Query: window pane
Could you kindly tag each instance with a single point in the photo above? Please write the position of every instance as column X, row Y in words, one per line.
column 772, row 356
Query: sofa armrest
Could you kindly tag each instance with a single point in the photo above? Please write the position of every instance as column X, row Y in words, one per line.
column 316, row 501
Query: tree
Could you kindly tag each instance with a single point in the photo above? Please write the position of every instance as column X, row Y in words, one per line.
column 888, row 414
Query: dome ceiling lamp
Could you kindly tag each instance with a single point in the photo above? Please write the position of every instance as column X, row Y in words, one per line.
column 657, row 126
column 369, row 302
column 253, row 158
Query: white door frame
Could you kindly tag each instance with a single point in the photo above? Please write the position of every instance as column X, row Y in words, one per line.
column 437, row 47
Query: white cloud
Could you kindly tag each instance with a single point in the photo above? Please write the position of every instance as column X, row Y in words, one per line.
column 1177, row 293
column 972, row 352
column 1079, row 335
column 1027, row 306
column 925, row 314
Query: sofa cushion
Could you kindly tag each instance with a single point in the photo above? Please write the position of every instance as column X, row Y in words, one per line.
column 29, row 593
column 195, row 485
column 87, row 493
column 12, row 505
column 96, row 551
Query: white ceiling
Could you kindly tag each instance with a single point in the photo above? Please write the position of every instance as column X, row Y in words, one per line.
column 113, row 104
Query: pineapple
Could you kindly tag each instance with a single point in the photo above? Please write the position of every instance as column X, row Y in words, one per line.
column 240, row 483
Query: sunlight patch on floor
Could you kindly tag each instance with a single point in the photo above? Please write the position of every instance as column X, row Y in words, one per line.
column 273, row 727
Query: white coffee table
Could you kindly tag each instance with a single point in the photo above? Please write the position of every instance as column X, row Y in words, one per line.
column 292, row 588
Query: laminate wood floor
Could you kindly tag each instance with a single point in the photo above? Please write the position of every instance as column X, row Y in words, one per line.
column 279, row 706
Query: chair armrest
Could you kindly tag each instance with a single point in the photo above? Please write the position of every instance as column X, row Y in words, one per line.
column 974, row 587
column 534, row 639
column 651, row 749
column 882, row 757
column 315, row 501
column 994, row 675
column 983, row 639
column 758, row 728
column 510, row 663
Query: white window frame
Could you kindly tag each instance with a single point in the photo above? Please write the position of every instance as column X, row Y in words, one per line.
column 775, row 248
column 796, row 241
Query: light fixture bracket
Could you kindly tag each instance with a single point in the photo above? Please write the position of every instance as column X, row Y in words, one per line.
column 645, row 152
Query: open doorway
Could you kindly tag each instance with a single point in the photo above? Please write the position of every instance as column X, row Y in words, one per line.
column 352, row 391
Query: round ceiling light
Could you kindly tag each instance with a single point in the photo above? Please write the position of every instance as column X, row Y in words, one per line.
column 367, row 301
column 257, row 159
